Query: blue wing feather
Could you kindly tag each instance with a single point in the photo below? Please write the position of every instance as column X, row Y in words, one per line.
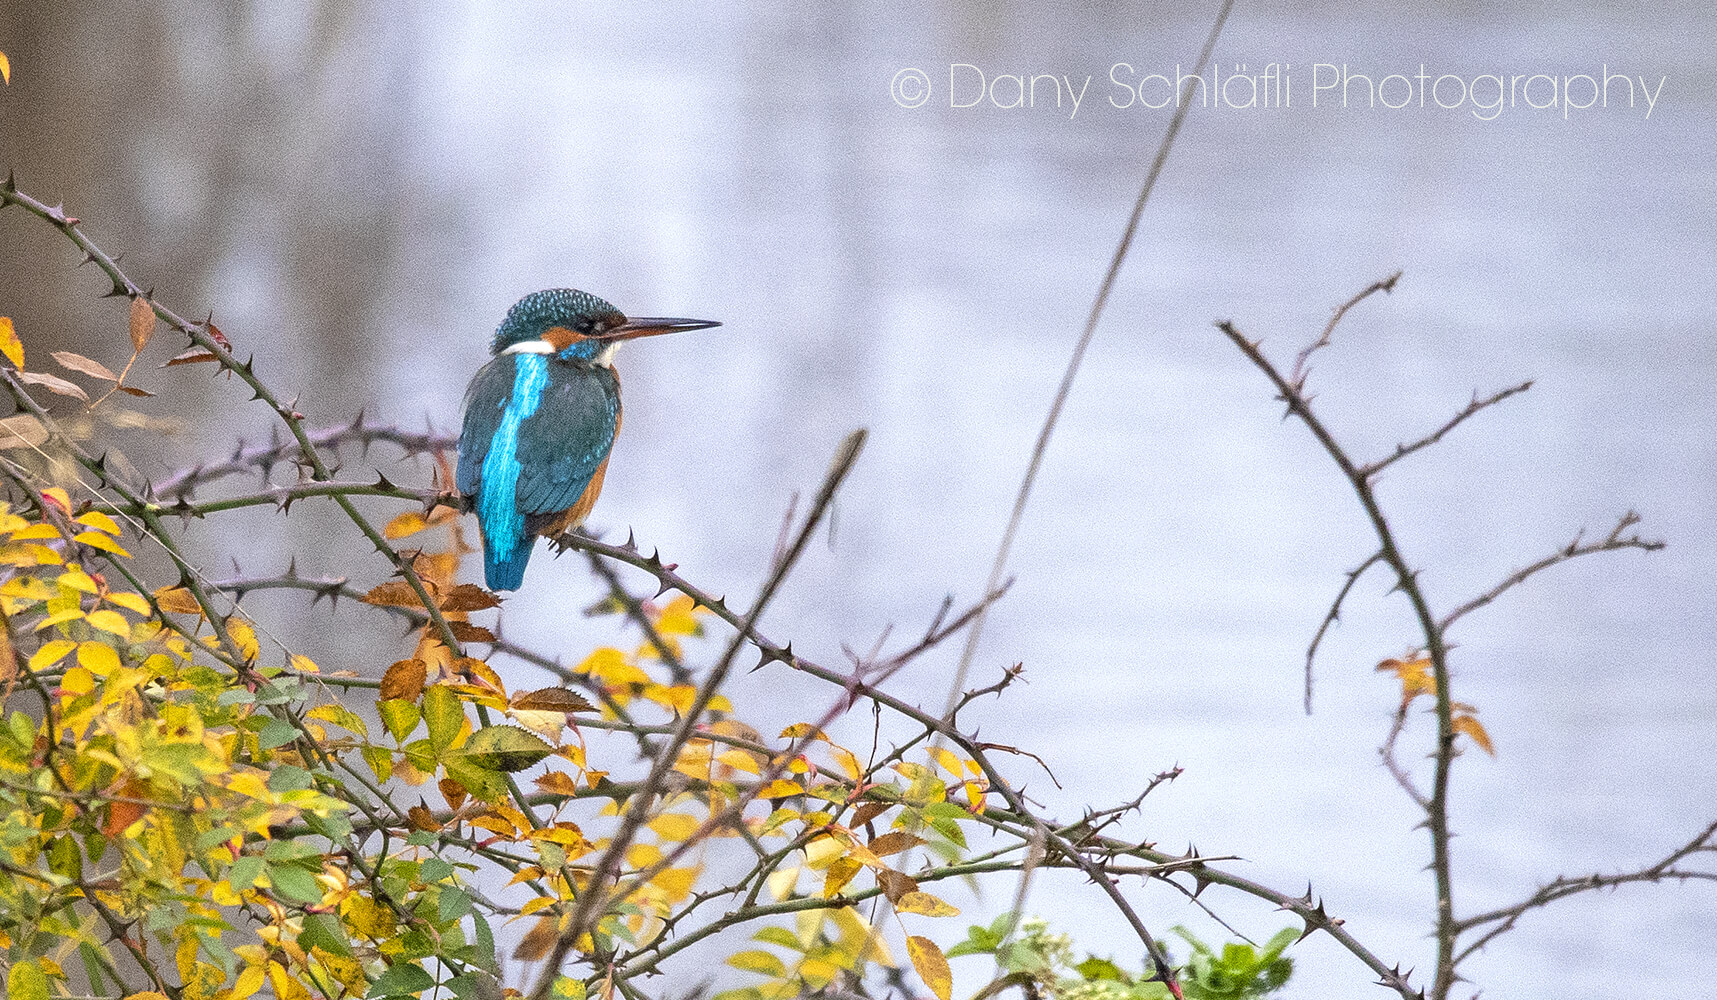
column 535, row 431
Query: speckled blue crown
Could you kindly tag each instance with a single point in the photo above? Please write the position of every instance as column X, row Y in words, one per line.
column 538, row 311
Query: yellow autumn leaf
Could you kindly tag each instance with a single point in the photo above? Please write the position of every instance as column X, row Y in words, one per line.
column 109, row 621
column 134, row 603
column 676, row 883
column 50, row 653
column 674, row 826
column 96, row 519
column 97, row 540
column 679, row 617
column 405, row 525
column 931, row 964
column 178, row 600
column 98, row 658
column 838, row 875
column 925, row 904
column 10, row 345
column 1473, row 728
column 244, row 637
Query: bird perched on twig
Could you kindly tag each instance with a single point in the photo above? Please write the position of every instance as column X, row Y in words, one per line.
column 540, row 419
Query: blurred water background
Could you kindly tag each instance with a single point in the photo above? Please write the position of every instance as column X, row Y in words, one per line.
column 359, row 190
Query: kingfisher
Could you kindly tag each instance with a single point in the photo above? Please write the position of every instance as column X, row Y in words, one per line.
column 540, row 419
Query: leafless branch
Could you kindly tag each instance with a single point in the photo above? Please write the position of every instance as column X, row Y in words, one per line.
column 1477, row 404
column 1298, row 378
column 1665, row 870
column 1573, row 550
column 1332, row 616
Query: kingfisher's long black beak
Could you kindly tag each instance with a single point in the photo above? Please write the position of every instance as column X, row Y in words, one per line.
column 654, row 326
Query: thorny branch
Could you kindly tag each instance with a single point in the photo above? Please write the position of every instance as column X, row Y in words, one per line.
column 1291, row 389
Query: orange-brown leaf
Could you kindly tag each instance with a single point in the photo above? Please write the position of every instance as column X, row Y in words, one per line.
column 453, row 792
column 539, row 940
column 178, row 600
column 1475, row 729
column 394, row 593
column 421, row 818
column 893, row 843
column 190, row 357
column 467, row 632
column 895, row 884
column 142, row 323
column 469, row 597
column 557, row 783
column 403, row 680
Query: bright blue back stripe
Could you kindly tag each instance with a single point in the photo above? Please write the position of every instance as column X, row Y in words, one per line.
column 497, row 509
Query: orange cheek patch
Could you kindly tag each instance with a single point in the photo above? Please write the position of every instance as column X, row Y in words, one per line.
column 560, row 337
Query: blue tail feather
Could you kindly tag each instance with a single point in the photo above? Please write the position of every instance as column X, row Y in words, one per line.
column 509, row 572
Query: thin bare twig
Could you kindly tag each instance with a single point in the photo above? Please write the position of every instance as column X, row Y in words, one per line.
column 1573, row 550
column 1477, row 404
column 1563, row 887
column 1332, row 616
column 1298, row 378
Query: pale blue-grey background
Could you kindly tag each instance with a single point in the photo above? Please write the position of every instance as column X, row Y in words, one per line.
column 360, row 190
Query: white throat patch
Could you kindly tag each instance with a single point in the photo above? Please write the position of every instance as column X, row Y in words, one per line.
column 530, row 347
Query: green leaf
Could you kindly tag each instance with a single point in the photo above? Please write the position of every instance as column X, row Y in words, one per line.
column 490, row 786
column 403, row 979
column 399, row 716
column 779, row 935
column 453, row 904
column 289, row 778
column 567, row 988
column 504, row 748
column 275, row 733
column 380, row 761
column 244, row 871
column 758, row 960
column 27, row 981
column 1094, row 968
column 444, row 715
column 323, row 930
column 294, row 884
column 434, row 870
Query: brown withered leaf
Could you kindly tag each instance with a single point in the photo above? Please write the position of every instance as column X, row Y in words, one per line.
column 421, row 818
column 142, row 323
column 539, row 940
column 467, row 632
column 469, row 597
column 178, row 600
column 867, row 812
column 54, row 384
column 190, row 357
column 220, row 338
column 557, row 783
column 893, row 843
column 403, row 680
column 394, row 594
column 453, row 792
column 88, row 366
column 895, row 884
column 132, row 390
column 552, row 699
